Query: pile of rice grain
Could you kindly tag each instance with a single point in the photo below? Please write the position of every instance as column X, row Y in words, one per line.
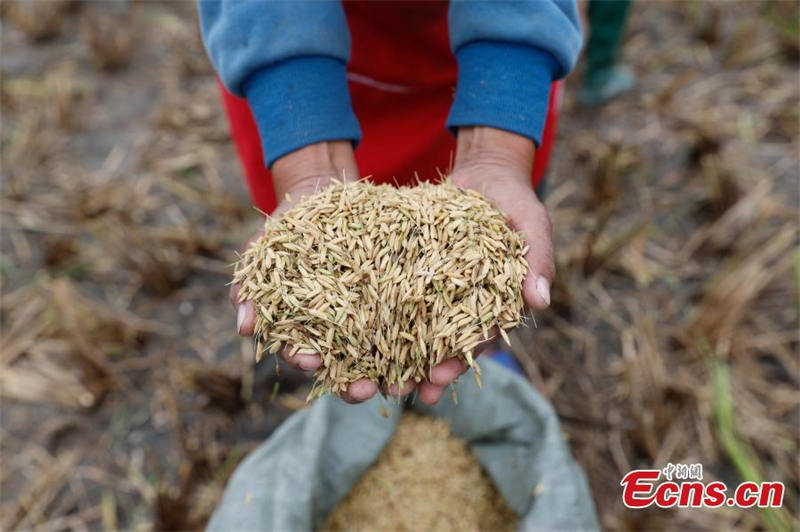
column 383, row 282
column 424, row 479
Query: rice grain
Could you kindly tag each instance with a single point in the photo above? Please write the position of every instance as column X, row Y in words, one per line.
column 424, row 479
column 383, row 282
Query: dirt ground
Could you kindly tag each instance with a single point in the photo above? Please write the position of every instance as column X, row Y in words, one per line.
column 127, row 399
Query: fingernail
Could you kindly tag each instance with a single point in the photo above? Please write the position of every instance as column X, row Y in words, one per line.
column 240, row 313
column 543, row 287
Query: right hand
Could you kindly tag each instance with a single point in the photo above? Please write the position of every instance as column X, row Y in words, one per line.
column 297, row 174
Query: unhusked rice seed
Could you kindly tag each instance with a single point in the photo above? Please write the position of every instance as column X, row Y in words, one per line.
column 383, row 282
column 424, row 479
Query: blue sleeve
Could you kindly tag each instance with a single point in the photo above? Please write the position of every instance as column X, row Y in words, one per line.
column 289, row 59
column 508, row 53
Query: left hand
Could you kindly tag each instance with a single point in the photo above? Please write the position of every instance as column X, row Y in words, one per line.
column 498, row 164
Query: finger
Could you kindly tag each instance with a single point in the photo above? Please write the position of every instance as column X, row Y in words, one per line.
column 407, row 388
column 444, row 373
column 360, row 390
column 245, row 318
column 535, row 226
column 486, row 342
column 306, row 361
column 233, row 295
column 430, row 393
column 348, row 399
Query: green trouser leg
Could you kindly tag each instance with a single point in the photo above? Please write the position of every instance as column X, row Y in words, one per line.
column 606, row 23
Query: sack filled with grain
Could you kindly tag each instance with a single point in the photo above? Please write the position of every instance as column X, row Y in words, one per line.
column 383, row 282
column 321, row 454
column 424, row 479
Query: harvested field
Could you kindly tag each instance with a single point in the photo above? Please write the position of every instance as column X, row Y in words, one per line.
column 127, row 398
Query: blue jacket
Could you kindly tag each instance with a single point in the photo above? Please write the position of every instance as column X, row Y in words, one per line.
column 289, row 59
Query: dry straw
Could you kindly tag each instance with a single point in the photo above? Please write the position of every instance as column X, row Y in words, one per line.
column 424, row 479
column 383, row 282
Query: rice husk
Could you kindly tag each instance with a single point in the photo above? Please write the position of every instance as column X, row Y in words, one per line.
column 383, row 282
column 424, row 479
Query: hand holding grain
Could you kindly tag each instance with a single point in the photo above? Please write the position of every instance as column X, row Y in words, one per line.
column 493, row 162
column 498, row 164
column 301, row 173
column 298, row 174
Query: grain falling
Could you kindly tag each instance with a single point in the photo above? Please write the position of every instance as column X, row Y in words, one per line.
column 383, row 282
column 424, row 479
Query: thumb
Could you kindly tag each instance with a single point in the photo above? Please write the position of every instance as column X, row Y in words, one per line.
column 533, row 223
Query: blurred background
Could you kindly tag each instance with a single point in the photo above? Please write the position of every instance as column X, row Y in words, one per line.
column 127, row 398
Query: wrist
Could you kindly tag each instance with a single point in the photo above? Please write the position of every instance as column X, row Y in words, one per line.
column 312, row 167
column 487, row 146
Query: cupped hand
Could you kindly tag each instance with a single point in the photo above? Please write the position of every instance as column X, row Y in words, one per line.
column 302, row 173
column 498, row 164
column 495, row 163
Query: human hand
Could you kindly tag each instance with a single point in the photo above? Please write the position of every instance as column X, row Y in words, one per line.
column 298, row 174
column 498, row 164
